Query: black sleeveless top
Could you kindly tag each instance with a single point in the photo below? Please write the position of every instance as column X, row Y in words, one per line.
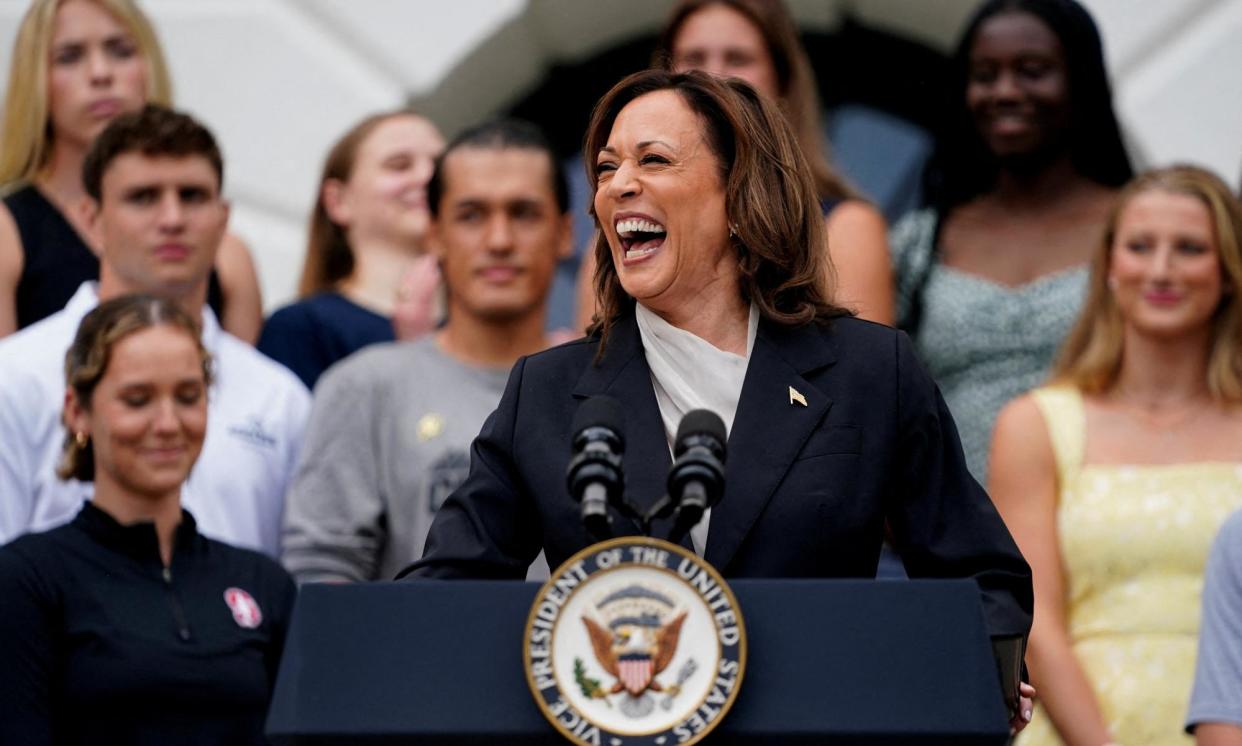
column 56, row 261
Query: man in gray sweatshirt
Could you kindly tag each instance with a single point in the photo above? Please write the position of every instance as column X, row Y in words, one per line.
column 391, row 426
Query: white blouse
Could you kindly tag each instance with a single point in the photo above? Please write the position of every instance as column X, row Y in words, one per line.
column 688, row 373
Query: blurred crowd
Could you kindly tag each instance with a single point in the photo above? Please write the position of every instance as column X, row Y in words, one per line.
column 172, row 462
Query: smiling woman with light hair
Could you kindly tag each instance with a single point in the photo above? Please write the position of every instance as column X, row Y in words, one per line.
column 126, row 625
column 368, row 275
column 1115, row 477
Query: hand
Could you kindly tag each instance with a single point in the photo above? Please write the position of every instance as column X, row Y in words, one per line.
column 1026, row 706
column 415, row 312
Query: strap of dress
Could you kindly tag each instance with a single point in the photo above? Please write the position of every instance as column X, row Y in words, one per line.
column 912, row 243
column 1063, row 414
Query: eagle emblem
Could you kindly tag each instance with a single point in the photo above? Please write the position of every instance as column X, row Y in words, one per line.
column 634, row 643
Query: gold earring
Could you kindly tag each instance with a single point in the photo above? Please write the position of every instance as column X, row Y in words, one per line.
column 79, row 440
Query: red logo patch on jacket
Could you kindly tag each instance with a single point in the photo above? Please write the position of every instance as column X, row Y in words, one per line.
column 245, row 610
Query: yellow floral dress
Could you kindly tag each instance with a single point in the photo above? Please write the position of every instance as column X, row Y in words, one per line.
column 1134, row 542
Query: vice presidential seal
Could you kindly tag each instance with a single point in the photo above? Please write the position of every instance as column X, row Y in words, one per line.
column 635, row 641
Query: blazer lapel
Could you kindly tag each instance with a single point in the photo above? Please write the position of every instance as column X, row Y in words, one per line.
column 769, row 429
column 623, row 374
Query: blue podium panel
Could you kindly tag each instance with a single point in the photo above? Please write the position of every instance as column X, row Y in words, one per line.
column 850, row 662
column 865, row 662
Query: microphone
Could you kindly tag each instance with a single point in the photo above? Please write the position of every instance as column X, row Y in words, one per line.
column 595, row 477
column 696, row 479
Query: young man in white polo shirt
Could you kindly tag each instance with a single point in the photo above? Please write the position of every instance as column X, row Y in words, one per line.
column 157, row 216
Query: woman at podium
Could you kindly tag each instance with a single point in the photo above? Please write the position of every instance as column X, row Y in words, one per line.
column 126, row 625
column 713, row 296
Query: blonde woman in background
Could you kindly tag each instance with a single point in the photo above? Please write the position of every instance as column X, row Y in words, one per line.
column 1116, row 476
column 76, row 65
column 368, row 276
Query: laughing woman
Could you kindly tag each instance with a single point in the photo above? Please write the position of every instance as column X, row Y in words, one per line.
column 711, row 280
column 126, row 625
column 757, row 41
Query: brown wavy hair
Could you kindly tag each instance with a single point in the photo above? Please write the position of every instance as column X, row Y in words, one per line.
column 770, row 198
column 798, row 95
column 328, row 256
column 1092, row 354
column 87, row 360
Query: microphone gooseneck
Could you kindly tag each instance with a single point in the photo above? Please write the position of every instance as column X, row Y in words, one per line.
column 595, row 478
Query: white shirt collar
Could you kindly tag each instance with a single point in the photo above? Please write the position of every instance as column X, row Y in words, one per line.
column 688, row 373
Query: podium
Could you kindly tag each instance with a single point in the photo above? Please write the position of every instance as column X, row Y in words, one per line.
column 829, row 661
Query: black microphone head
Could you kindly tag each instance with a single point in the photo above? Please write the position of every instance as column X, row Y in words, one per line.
column 701, row 422
column 696, row 478
column 600, row 411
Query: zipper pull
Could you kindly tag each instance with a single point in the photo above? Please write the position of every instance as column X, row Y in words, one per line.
column 183, row 627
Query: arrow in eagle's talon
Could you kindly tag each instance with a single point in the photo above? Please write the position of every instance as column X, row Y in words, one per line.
column 687, row 670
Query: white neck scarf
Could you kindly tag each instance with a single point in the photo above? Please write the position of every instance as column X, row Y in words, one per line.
column 689, row 373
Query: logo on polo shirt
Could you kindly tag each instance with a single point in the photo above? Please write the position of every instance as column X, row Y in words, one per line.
column 245, row 609
column 253, row 432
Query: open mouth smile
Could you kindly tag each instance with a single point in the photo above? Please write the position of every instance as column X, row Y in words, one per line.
column 639, row 236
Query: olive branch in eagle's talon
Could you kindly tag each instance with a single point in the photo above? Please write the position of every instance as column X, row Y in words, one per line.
column 590, row 687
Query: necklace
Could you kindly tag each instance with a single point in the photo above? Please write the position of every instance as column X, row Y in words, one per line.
column 1167, row 417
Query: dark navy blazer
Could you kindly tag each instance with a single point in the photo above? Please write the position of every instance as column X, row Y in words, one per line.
column 808, row 488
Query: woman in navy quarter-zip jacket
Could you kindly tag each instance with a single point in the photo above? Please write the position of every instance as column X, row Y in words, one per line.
column 126, row 625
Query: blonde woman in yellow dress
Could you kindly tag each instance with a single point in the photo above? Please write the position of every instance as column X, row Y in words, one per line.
column 1116, row 476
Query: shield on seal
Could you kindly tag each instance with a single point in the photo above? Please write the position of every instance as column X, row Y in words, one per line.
column 635, row 672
